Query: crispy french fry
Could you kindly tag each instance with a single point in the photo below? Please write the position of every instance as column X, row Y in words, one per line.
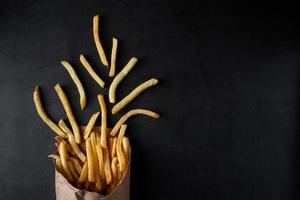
column 65, row 102
column 129, row 114
column 114, row 172
column 91, row 71
column 73, row 170
column 76, row 164
column 97, row 40
column 43, row 115
column 120, row 154
column 120, row 173
column 121, row 75
column 58, row 138
column 90, row 125
column 126, row 100
column 126, row 148
column 103, row 120
column 114, row 147
column 64, row 162
column 68, row 147
column 64, row 127
column 107, row 170
column 101, row 163
column 89, row 153
column 110, row 145
column 76, row 148
column 113, row 57
column 96, row 163
column 84, row 173
column 57, row 162
column 77, row 82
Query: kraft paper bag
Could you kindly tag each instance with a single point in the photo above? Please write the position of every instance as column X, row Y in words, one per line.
column 65, row 191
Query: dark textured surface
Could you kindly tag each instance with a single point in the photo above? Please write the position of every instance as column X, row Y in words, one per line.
column 228, row 94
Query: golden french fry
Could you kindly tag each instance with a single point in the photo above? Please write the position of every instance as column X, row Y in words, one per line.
column 107, row 169
column 114, row 172
column 77, row 82
column 43, row 115
column 64, row 162
column 126, row 148
column 110, row 144
column 120, row 173
column 57, row 162
column 121, row 75
column 101, row 163
column 114, row 147
column 113, row 57
column 64, row 127
column 96, row 163
column 103, row 120
column 89, row 153
column 68, row 147
column 76, row 164
column 90, row 125
column 126, row 100
column 76, row 148
column 120, row 154
column 91, row 71
column 73, row 170
column 129, row 114
column 58, row 138
column 65, row 102
column 84, row 173
column 97, row 40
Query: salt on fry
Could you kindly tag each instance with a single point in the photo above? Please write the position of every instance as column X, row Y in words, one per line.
column 84, row 173
column 64, row 161
column 65, row 102
column 41, row 111
column 77, row 82
column 120, row 154
column 91, row 71
column 97, row 40
column 129, row 114
column 138, row 90
column 89, row 153
column 103, row 120
column 90, row 125
column 121, row 75
column 64, row 126
column 113, row 57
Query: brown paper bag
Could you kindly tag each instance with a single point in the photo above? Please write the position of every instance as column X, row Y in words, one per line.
column 65, row 191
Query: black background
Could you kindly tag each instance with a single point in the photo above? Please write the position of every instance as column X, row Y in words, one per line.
column 228, row 94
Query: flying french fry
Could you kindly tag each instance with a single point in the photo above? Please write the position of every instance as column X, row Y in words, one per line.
column 113, row 57
column 65, row 102
column 132, row 113
column 126, row 100
column 77, row 82
column 90, row 125
column 97, row 40
column 64, row 127
column 76, row 148
column 121, row 75
column 43, row 115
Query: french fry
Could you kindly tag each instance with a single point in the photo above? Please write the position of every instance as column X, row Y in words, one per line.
column 129, row 114
column 90, row 125
column 64, row 162
column 120, row 154
column 126, row 100
column 76, row 164
column 91, row 71
column 114, row 147
column 101, row 163
column 84, row 173
column 107, row 170
column 68, row 147
column 77, row 82
column 57, row 162
column 97, row 40
column 41, row 111
column 121, row 75
column 58, row 138
column 64, row 127
column 76, row 148
column 72, row 170
column 114, row 172
column 96, row 163
column 113, row 57
column 65, row 102
column 120, row 173
column 103, row 121
column 110, row 145
column 126, row 148
column 89, row 153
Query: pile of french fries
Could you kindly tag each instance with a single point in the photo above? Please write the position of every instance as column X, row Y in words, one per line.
column 90, row 157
